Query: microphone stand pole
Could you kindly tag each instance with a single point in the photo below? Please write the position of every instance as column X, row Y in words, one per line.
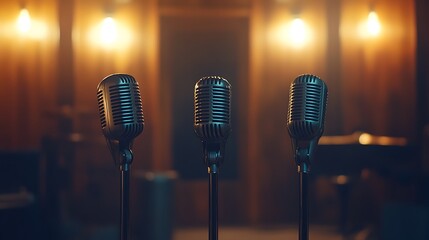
column 124, row 201
column 303, row 205
column 303, row 170
column 213, row 201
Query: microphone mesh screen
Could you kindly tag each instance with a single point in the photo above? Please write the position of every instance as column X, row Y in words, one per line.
column 120, row 107
column 307, row 104
column 212, row 107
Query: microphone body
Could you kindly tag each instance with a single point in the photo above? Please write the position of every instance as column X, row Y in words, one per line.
column 306, row 116
column 121, row 114
column 212, row 110
column 121, row 117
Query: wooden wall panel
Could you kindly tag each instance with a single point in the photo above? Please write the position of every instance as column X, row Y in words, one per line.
column 204, row 3
column 93, row 166
column 28, row 81
column 375, row 91
column 276, row 64
column 378, row 74
column 93, row 62
column 423, row 79
column 185, row 58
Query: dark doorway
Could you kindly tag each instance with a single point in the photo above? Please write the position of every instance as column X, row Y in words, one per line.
column 193, row 47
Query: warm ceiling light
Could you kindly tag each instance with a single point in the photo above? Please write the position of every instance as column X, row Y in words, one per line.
column 23, row 23
column 30, row 28
column 298, row 33
column 370, row 28
column 295, row 33
column 373, row 24
column 108, row 31
column 110, row 34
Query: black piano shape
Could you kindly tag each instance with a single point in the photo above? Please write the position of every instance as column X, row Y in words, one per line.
column 343, row 158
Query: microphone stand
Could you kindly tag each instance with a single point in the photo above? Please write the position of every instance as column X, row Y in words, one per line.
column 303, row 205
column 125, row 168
column 213, row 156
column 303, row 160
column 213, row 202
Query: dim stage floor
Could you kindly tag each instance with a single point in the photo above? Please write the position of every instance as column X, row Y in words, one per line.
column 246, row 233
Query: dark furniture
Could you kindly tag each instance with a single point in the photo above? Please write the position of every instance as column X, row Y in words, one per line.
column 19, row 195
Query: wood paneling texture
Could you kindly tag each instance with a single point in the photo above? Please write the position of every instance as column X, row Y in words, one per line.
column 28, row 76
column 378, row 75
column 94, row 168
column 423, row 79
column 193, row 46
column 93, row 62
column 374, row 90
column 273, row 169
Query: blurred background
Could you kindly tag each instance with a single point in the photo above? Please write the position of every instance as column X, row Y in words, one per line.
column 370, row 176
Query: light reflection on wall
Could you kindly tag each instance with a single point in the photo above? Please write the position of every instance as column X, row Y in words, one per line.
column 370, row 27
column 108, row 31
column 298, row 33
column 295, row 33
column 373, row 24
column 23, row 24
column 26, row 26
column 110, row 34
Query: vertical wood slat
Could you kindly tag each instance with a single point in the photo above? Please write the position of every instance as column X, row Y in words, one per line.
column 375, row 91
column 28, row 69
column 422, row 77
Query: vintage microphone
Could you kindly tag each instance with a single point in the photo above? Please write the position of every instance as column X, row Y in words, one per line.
column 305, row 124
column 121, row 117
column 212, row 110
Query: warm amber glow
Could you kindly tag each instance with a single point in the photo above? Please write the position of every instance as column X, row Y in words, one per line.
column 108, row 31
column 298, row 32
column 365, row 139
column 29, row 27
column 110, row 34
column 23, row 24
column 341, row 179
column 295, row 33
column 373, row 24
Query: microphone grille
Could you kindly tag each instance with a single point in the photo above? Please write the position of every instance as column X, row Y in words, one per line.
column 124, row 118
column 212, row 107
column 307, row 106
column 101, row 108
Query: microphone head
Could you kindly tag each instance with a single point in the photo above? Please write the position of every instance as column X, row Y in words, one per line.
column 120, row 107
column 307, row 107
column 212, row 108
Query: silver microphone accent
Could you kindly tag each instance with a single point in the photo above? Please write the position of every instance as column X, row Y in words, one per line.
column 212, row 110
column 306, row 115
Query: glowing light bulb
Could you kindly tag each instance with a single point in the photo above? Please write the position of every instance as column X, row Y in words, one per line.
column 373, row 24
column 297, row 31
column 23, row 23
column 365, row 139
column 110, row 34
column 295, row 34
column 108, row 31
